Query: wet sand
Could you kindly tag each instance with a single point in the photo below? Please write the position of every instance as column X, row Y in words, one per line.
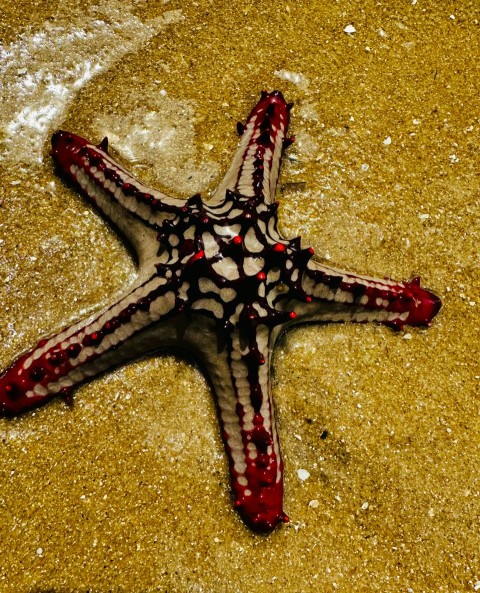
column 128, row 490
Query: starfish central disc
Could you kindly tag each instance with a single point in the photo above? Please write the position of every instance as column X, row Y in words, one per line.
column 233, row 264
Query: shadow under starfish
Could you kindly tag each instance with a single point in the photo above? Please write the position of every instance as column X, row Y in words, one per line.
column 215, row 279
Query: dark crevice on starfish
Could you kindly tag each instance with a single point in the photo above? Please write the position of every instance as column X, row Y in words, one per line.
column 217, row 280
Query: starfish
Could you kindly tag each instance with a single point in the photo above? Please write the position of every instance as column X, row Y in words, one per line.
column 215, row 279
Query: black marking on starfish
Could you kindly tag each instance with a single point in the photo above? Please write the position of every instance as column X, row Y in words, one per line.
column 216, row 279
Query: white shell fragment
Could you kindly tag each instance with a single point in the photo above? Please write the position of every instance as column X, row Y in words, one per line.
column 303, row 474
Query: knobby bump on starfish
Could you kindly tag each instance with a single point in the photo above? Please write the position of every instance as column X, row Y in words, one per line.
column 215, row 279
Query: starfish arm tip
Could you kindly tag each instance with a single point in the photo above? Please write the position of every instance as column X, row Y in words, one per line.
column 425, row 305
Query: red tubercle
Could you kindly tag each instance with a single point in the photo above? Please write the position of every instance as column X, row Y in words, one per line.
column 110, row 326
column 66, row 394
column 73, row 350
column 196, row 256
column 129, row 189
column 93, row 339
column 261, row 276
column 260, row 437
column 279, row 248
column 37, row 373
column 11, row 390
column 55, row 359
column 258, row 419
column 126, row 314
column 249, row 313
column 263, row 460
column 237, row 240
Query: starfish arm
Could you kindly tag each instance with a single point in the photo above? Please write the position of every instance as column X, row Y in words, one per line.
column 337, row 295
column 122, row 332
column 256, row 165
column 137, row 210
column 240, row 377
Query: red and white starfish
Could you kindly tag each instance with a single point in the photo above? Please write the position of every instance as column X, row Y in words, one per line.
column 215, row 279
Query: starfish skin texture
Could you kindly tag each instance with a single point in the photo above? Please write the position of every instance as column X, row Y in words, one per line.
column 217, row 280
